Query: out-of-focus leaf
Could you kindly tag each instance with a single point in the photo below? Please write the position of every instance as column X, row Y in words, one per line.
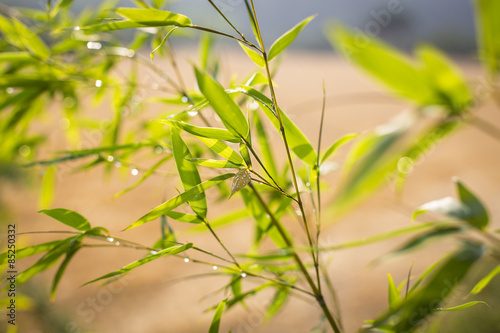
column 31, row 41
column 47, row 191
column 46, row 261
column 485, row 281
column 423, row 302
column 223, row 150
column 384, row 62
column 394, row 296
column 15, row 56
column 68, row 217
column 153, row 256
column 30, row 251
column 74, row 247
column 255, row 56
column 446, row 80
column 287, row 38
column 178, row 200
column 141, row 18
column 145, row 176
column 462, row 306
column 487, row 14
column 279, row 300
column 297, row 141
column 265, row 147
column 206, row 132
column 206, row 162
column 225, row 107
column 343, row 140
column 188, row 173
column 478, row 216
column 214, row 326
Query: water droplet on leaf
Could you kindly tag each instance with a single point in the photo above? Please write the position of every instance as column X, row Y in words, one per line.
column 110, row 239
column 186, row 259
column 214, row 268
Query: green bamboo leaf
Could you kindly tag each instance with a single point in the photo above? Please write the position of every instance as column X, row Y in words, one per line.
column 268, row 157
column 140, row 18
column 47, row 191
column 145, row 176
column 487, row 14
column 223, row 150
column 297, row 141
column 445, row 78
column 153, row 256
column 253, row 55
column 15, row 56
column 30, row 251
column 74, row 247
column 206, row 132
column 214, row 326
column 485, row 281
column 245, row 154
column 462, row 306
column 184, row 217
column 68, row 217
column 46, row 261
column 477, row 214
column 31, row 41
column 383, row 62
column 225, row 107
column 394, row 296
column 287, row 38
column 152, row 54
column 343, row 140
column 188, row 172
column 178, row 200
column 279, row 300
column 206, row 162
column 423, row 302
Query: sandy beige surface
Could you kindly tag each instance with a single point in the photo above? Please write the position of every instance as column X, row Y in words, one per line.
column 148, row 301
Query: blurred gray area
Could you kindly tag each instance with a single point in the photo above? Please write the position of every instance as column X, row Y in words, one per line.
column 448, row 24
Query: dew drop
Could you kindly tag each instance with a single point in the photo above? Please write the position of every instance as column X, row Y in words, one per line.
column 9, row 90
column 24, row 150
column 118, row 164
column 153, row 252
column 243, row 275
column 134, row 172
column 184, row 99
column 186, row 259
column 268, row 216
column 77, row 28
column 214, row 268
column 192, row 113
column 110, row 158
column 94, row 45
column 98, row 83
column 110, row 239
column 298, row 212
column 308, row 184
column 117, row 243
column 158, row 150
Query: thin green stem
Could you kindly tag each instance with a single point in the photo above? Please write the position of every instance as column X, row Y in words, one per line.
column 222, row 244
column 226, row 19
column 216, row 32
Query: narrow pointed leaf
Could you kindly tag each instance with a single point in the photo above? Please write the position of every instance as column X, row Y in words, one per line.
column 223, row 150
column 75, row 246
column 206, row 162
column 188, row 172
column 279, row 300
column 225, row 107
column 253, row 55
column 68, row 217
column 287, row 38
column 485, row 281
column 394, row 296
column 343, row 140
column 215, row 325
column 30, row 250
column 125, row 269
column 184, row 217
column 462, row 306
column 478, row 216
column 206, row 132
column 31, row 41
column 178, row 200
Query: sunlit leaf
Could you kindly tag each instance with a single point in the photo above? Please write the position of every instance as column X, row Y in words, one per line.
column 68, row 217
column 74, row 247
column 287, row 38
column 223, row 150
column 206, row 132
column 478, row 216
column 394, row 297
column 485, row 281
column 188, row 172
column 214, row 326
column 47, row 191
column 153, row 256
column 255, row 56
column 178, row 200
column 225, row 107
column 487, row 13
column 30, row 251
column 31, row 41
column 206, row 162
column 462, row 306
column 343, row 140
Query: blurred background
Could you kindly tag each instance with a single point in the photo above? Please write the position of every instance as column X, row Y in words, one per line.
column 158, row 297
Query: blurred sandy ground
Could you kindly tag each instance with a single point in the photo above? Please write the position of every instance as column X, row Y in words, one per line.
column 148, row 301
